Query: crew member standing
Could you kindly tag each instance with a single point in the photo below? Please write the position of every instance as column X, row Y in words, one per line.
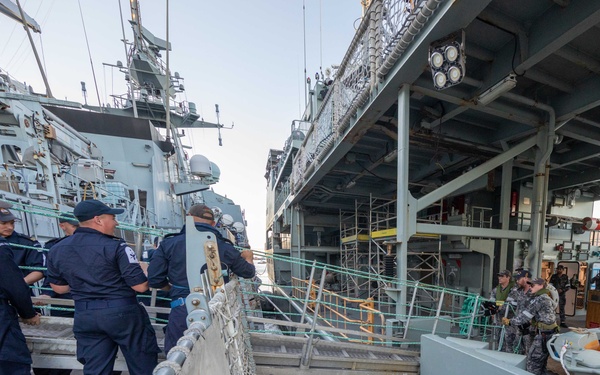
column 542, row 318
column 68, row 224
column 103, row 275
column 561, row 282
column 499, row 296
column 519, row 299
column 167, row 268
column 15, row 298
column 23, row 256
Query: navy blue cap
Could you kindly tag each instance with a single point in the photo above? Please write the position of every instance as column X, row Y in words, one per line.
column 67, row 217
column 523, row 273
column 91, row 208
column 6, row 215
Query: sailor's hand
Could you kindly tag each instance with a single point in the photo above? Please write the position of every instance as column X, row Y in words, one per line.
column 35, row 321
column 506, row 321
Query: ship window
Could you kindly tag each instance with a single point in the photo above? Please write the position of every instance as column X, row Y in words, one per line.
column 11, row 154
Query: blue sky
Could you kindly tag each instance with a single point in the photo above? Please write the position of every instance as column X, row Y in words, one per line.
column 247, row 56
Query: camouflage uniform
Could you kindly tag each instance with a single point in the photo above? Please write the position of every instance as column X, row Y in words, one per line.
column 541, row 315
column 561, row 283
column 523, row 335
column 500, row 295
column 510, row 332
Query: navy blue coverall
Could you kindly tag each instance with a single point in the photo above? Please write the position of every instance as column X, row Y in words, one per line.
column 15, row 297
column 100, row 270
column 46, row 290
column 24, row 256
column 168, row 266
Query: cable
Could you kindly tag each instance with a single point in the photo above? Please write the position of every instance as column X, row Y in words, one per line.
column 89, row 53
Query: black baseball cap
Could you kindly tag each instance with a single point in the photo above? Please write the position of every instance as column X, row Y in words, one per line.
column 523, row 273
column 86, row 210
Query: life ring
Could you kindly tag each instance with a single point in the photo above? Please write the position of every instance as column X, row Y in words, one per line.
column 26, row 123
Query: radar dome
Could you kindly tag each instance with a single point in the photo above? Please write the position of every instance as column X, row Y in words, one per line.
column 227, row 220
column 297, row 135
column 216, row 172
column 238, row 227
column 200, row 166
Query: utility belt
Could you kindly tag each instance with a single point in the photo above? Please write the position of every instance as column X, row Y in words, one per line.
column 546, row 329
column 177, row 302
column 98, row 304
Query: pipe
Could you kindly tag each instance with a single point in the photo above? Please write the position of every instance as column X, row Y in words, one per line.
column 533, row 260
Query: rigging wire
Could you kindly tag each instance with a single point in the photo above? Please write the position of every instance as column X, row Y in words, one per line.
column 89, row 53
column 43, row 54
column 321, row 38
column 304, row 32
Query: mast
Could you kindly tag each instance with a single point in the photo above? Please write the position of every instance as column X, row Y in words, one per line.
column 37, row 57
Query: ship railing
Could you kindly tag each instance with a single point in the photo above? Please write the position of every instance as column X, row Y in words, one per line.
column 373, row 320
column 379, row 42
column 338, row 311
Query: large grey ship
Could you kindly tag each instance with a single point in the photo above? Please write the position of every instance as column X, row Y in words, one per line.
column 454, row 140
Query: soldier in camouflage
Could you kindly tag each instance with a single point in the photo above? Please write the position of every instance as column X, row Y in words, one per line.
column 543, row 321
column 520, row 299
column 499, row 296
column 561, row 282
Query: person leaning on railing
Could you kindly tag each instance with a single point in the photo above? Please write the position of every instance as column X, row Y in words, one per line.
column 167, row 270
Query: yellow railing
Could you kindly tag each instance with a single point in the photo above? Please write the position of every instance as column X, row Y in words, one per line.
column 336, row 310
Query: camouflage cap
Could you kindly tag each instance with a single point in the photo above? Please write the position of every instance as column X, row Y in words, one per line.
column 537, row 281
column 506, row 273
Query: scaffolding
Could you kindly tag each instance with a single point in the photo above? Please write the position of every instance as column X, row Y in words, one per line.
column 368, row 243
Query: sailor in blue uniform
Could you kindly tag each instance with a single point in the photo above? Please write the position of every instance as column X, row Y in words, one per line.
column 68, row 224
column 22, row 256
column 15, row 358
column 103, row 275
column 167, row 269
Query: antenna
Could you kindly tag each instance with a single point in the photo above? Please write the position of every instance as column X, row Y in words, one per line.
column 219, row 125
column 304, row 31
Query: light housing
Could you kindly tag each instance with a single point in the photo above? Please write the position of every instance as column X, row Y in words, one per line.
column 447, row 60
column 505, row 85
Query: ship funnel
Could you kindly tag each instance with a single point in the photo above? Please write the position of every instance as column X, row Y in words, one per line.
column 200, row 166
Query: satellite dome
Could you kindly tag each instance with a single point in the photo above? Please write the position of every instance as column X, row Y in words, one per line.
column 216, row 172
column 238, row 227
column 297, row 135
column 226, row 220
column 200, row 166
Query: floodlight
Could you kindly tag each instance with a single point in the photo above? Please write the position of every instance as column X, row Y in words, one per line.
column 447, row 60
column 451, row 53
column 505, row 85
column 454, row 74
column 437, row 60
column 440, row 79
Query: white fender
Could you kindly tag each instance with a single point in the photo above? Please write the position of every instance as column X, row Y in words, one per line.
column 553, row 295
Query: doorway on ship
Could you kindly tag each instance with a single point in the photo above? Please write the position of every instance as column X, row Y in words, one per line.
column 572, row 268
